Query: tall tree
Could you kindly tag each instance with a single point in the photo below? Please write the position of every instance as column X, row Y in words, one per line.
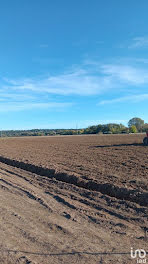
column 137, row 122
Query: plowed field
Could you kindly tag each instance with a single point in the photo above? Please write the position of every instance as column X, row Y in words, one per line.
column 73, row 199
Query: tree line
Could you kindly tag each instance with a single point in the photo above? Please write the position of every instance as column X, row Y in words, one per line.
column 135, row 125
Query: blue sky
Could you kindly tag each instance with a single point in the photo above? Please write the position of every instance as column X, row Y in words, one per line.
column 72, row 62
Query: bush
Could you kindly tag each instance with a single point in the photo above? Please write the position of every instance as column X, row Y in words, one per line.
column 133, row 129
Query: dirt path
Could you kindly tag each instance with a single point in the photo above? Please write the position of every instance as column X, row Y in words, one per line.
column 45, row 220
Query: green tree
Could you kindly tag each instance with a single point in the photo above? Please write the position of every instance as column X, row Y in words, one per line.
column 137, row 122
column 133, row 129
column 145, row 128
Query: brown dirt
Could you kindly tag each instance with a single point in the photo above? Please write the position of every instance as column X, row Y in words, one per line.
column 70, row 199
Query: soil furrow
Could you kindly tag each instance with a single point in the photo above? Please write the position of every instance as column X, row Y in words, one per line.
column 108, row 189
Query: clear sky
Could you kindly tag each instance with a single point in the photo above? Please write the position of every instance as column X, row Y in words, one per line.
column 68, row 63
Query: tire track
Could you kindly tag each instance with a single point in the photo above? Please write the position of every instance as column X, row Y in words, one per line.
column 27, row 193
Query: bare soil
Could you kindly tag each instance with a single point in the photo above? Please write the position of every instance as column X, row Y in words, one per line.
column 73, row 199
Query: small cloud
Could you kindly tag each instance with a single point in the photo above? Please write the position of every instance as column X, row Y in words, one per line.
column 30, row 106
column 132, row 99
column 126, row 73
column 139, row 42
